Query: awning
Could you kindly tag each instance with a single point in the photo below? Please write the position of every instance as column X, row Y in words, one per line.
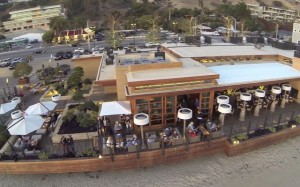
column 115, row 108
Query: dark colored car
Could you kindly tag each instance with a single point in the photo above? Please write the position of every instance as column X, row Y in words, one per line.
column 59, row 55
column 34, row 41
column 68, row 55
column 87, row 52
column 74, row 45
column 40, row 51
column 13, row 65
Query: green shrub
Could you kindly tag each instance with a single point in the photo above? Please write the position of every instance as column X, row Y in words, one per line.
column 241, row 137
column 88, row 153
column 91, row 105
column 87, row 81
column 43, row 155
column 272, row 129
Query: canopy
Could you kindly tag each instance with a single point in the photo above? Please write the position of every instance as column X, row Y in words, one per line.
column 40, row 108
column 25, row 125
column 6, row 107
column 115, row 108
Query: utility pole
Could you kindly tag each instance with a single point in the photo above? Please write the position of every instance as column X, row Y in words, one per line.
column 87, row 26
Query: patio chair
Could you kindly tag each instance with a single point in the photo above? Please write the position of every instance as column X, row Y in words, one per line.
column 195, row 139
column 41, row 131
column 152, row 140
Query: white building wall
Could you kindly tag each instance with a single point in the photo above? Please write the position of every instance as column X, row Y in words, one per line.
column 296, row 33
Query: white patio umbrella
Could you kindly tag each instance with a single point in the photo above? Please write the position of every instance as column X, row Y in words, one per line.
column 6, row 107
column 40, row 108
column 25, row 125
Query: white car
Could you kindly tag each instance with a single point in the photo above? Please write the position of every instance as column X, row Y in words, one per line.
column 28, row 46
column 79, row 50
column 151, row 44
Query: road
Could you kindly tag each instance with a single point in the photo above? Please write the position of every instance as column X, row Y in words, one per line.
column 53, row 49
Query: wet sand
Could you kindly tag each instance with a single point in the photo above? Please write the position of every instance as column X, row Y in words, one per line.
column 277, row 165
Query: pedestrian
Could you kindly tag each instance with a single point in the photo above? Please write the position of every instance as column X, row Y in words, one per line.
column 71, row 143
column 64, row 141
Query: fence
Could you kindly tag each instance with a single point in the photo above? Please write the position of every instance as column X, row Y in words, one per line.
column 272, row 120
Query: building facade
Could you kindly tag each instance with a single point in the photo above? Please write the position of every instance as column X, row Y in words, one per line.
column 273, row 13
column 38, row 17
column 296, row 33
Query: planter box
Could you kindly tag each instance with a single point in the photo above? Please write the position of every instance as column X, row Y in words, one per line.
column 259, row 142
column 56, row 138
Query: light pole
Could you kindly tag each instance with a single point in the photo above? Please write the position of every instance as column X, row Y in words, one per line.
column 133, row 25
column 234, row 22
column 174, row 25
column 8, row 88
column 276, row 31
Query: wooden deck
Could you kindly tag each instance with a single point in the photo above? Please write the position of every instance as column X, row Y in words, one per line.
column 121, row 162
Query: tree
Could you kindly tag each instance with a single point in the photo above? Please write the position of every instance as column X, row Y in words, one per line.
column 241, row 13
column 78, row 95
column 48, row 36
column 58, row 24
column 113, row 39
column 154, row 33
column 22, row 70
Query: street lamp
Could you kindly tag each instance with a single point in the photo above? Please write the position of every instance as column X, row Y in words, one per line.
column 234, row 22
column 276, row 31
column 8, row 88
column 133, row 25
column 174, row 25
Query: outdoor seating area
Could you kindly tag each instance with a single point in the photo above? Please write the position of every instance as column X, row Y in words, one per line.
column 143, row 61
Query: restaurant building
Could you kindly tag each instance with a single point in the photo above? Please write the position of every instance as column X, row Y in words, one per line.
column 158, row 83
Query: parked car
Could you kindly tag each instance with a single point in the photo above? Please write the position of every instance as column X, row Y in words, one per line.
column 81, row 50
column 87, row 52
column 74, row 45
column 5, row 62
column 34, row 41
column 59, row 55
column 29, row 46
column 40, row 51
column 68, row 55
column 13, row 65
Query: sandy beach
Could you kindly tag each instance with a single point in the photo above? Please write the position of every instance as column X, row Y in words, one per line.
column 277, row 165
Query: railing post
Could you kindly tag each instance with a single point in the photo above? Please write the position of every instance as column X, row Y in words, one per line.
column 209, row 138
column 137, row 151
column 111, row 154
column 293, row 114
column 279, row 119
column 187, row 140
column 265, row 122
column 230, row 132
column 248, row 128
column 162, row 147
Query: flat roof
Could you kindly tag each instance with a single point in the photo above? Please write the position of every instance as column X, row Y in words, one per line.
column 254, row 73
column 173, row 73
column 230, row 50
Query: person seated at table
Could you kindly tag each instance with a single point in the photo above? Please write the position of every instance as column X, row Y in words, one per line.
column 34, row 143
column 117, row 127
column 211, row 126
column 168, row 131
column 109, row 142
column 192, row 127
column 175, row 134
column 192, row 133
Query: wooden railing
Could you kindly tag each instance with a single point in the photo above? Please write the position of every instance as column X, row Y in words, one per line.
column 120, row 162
